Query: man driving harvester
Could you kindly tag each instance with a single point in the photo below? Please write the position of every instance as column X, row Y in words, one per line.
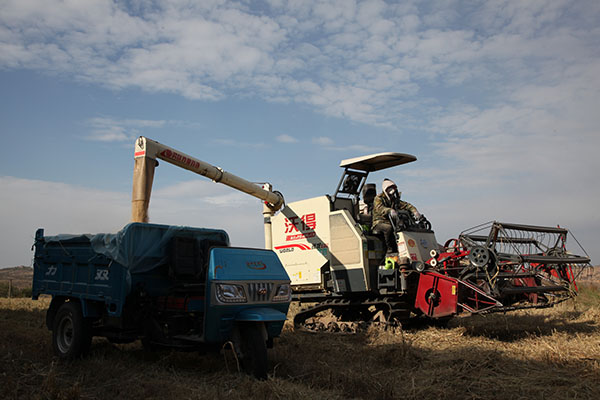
column 385, row 209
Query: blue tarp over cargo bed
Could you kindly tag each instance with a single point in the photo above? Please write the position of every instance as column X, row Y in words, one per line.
column 141, row 247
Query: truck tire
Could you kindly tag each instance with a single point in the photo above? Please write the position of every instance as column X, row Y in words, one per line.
column 71, row 333
column 253, row 350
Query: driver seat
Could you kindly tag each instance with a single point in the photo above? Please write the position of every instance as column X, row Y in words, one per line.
column 365, row 215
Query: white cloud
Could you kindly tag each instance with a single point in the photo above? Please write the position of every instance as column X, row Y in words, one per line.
column 114, row 134
column 323, row 141
column 238, row 144
column 105, row 129
column 359, row 61
column 359, row 148
column 286, row 139
column 327, row 143
column 549, row 131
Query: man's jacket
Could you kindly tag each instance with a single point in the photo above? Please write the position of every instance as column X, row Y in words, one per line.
column 382, row 206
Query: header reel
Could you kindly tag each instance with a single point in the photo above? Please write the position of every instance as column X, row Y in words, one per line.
column 521, row 266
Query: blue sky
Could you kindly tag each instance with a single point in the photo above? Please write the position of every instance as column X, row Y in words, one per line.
column 498, row 100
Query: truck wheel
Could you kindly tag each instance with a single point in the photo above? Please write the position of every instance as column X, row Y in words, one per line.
column 253, row 350
column 71, row 334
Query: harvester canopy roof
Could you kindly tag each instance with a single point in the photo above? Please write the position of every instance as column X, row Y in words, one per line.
column 376, row 162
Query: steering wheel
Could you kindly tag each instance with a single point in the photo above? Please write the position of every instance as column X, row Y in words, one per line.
column 350, row 184
column 424, row 223
column 402, row 221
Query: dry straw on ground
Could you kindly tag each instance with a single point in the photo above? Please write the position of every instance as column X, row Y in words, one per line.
column 535, row 354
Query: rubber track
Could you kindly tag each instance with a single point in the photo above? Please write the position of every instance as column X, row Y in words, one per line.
column 395, row 307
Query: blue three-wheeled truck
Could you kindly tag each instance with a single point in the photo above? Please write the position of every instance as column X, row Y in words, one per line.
column 169, row 286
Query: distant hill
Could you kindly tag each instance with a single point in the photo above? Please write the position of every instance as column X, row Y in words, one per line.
column 21, row 276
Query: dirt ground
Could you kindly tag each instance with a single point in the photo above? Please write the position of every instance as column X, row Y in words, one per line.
column 545, row 354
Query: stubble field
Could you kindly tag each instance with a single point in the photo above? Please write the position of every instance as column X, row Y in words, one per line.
column 553, row 353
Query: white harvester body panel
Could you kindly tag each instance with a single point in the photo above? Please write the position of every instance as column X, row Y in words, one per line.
column 417, row 245
column 348, row 253
column 301, row 239
column 307, row 235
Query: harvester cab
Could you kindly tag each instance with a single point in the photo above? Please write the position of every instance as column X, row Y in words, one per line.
column 326, row 243
column 356, row 170
column 354, row 178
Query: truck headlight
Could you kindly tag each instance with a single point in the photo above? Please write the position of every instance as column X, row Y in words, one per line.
column 229, row 293
column 283, row 293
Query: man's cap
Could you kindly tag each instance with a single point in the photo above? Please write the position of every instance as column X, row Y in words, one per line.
column 387, row 183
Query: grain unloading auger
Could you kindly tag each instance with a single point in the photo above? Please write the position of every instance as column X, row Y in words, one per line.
column 336, row 263
column 147, row 151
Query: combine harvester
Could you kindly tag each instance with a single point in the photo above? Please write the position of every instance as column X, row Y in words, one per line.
column 338, row 266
